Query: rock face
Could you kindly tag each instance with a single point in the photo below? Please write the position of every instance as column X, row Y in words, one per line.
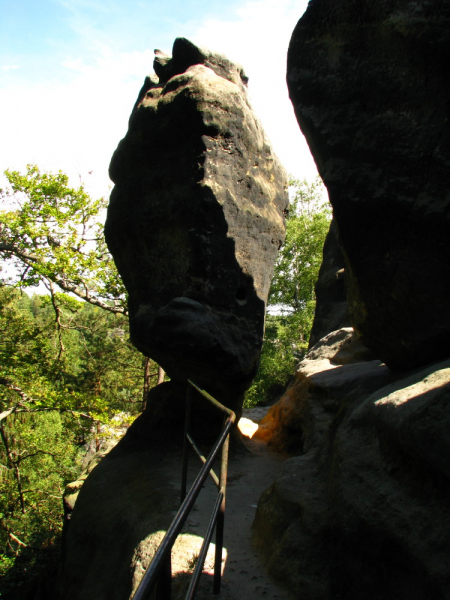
column 120, row 507
column 370, row 87
column 130, row 498
column 123, row 509
column 362, row 511
column 195, row 221
column 338, row 367
column 331, row 297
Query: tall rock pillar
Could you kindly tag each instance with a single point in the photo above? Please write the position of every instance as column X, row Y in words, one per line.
column 196, row 219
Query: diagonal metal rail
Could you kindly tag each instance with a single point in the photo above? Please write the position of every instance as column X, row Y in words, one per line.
column 159, row 573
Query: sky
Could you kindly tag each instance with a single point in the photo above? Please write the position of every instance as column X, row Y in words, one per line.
column 70, row 72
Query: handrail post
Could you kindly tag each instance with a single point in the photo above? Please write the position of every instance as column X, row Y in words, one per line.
column 159, row 571
column 220, row 523
column 164, row 582
column 187, row 428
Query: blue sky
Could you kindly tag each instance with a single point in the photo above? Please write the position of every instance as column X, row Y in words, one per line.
column 70, row 71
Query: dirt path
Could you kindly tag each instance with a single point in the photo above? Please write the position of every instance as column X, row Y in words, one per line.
column 250, row 472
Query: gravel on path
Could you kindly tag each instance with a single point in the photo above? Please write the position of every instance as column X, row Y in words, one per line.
column 251, row 470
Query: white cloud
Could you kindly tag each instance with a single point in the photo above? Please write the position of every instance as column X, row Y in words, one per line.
column 259, row 40
column 75, row 126
column 9, row 67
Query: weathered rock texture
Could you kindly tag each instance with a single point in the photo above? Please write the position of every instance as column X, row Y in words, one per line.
column 363, row 510
column 130, row 498
column 196, row 219
column 370, row 87
column 331, row 297
column 339, row 366
column 118, row 507
column 123, row 509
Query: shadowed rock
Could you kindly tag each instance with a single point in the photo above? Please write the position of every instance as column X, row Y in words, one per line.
column 196, row 219
column 370, row 87
column 362, row 510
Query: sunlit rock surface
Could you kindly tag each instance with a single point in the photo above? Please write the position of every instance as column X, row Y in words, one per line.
column 196, row 219
column 339, row 367
column 370, row 87
column 362, row 508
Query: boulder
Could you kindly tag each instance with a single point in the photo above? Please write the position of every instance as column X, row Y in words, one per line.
column 338, row 369
column 123, row 509
column 195, row 221
column 361, row 510
column 370, row 88
column 118, row 510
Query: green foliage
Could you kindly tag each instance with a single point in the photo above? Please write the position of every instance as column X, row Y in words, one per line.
column 87, row 365
column 52, row 234
column 299, row 260
column 37, row 459
column 277, row 363
column 26, row 361
column 49, row 402
column 292, row 300
column 66, row 363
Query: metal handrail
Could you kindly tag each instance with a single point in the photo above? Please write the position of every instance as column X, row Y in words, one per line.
column 159, row 572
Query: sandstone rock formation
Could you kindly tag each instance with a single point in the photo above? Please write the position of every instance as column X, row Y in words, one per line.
column 362, row 511
column 339, row 367
column 131, row 496
column 195, row 221
column 370, row 87
column 331, row 297
column 124, row 506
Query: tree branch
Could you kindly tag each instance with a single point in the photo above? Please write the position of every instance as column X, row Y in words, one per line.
column 14, row 465
column 73, row 288
column 21, row 458
column 18, row 391
column 17, row 541
column 8, row 412
column 57, row 310
column 19, row 407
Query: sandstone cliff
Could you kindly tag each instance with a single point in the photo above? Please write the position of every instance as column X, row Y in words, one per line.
column 362, row 509
column 370, row 88
column 196, row 219
column 194, row 224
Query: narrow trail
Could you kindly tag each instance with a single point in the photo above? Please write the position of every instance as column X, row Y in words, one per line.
column 250, row 472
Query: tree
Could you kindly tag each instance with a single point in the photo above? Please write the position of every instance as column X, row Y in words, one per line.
column 65, row 356
column 292, row 300
column 52, row 234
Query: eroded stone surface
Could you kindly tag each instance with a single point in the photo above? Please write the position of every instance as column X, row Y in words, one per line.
column 370, row 87
column 362, row 510
column 195, row 221
column 331, row 311
column 336, row 371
